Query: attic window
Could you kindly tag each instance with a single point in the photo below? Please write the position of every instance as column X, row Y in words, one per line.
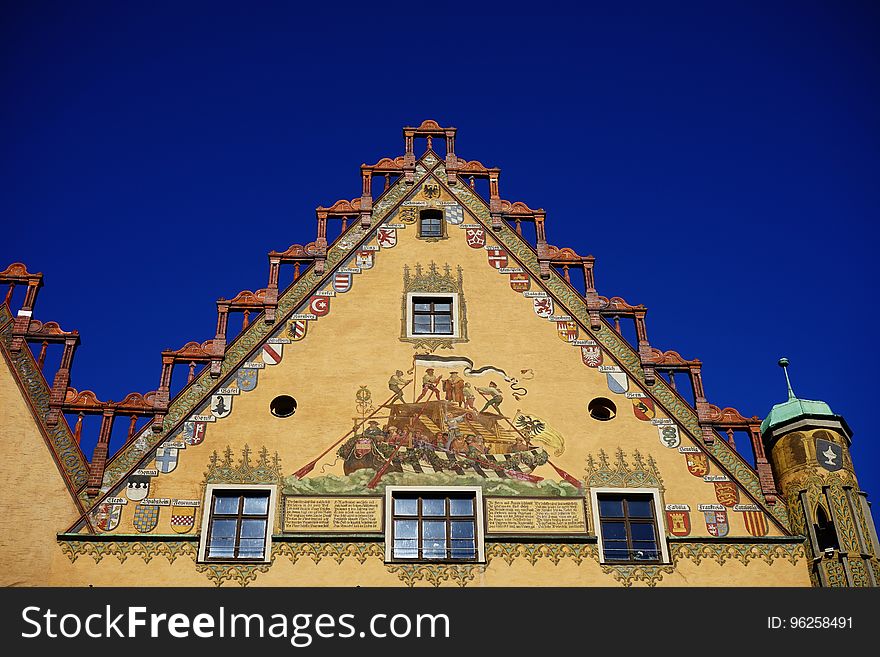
column 431, row 223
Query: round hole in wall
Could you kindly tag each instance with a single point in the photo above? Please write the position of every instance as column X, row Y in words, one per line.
column 602, row 409
column 283, row 406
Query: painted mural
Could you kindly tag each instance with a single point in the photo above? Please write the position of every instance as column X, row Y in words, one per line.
column 454, row 430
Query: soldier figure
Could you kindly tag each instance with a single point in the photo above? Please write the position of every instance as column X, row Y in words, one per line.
column 429, row 385
column 493, row 397
column 396, row 384
column 468, row 396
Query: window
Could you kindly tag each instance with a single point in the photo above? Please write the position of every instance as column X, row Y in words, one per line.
column 238, row 523
column 432, row 315
column 628, row 527
column 433, row 524
column 431, row 223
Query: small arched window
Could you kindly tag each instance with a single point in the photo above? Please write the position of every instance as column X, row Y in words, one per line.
column 826, row 536
column 431, row 223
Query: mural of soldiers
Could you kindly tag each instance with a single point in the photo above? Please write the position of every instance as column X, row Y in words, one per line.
column 493, row 397
column 429, row 385
column 396, row 384
column 468, row 395
column 453, row 388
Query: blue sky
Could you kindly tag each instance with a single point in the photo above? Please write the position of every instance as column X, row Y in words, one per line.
column 721, row 163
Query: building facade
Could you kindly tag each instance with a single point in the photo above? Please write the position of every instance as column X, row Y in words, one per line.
column 432, row 401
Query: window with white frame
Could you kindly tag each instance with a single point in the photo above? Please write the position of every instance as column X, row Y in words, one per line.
column 432, row 314
column 237, row 523
column 434, row 524
column 628, row 525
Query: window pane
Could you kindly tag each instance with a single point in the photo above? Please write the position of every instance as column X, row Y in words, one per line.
column 642, row 532
column 462, row 529
column 616, row 551
column 256, row 505
column 433, row 506
column 223, row 528
column 613, row 531
column 406, row 506
column 443, row 307
column 425, row 307
column 406, row 549
column 405, row 529
column 225, row 503
column 611, row 508
column 463, row 549
column 642, row 550
column 639, row 508
column 461, row 507
column 443, row 325
column 223, row 548
column 251, row 548
column 253, row 528
column 433, row 529
column 434, row 550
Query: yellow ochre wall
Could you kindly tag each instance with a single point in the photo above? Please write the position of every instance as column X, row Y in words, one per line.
column 35, row 502
column 358, row 344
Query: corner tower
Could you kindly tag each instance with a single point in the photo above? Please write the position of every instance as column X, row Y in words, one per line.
column 808, row 447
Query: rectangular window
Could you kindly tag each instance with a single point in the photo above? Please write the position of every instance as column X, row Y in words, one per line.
column 237, row 524
column 431, row 223
column 432, row 316
column 429, row 525
column 628, row 527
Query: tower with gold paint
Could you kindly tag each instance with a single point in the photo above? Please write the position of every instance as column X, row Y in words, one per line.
column 808, row 446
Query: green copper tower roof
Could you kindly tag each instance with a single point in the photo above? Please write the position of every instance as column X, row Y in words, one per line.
column 794, row 407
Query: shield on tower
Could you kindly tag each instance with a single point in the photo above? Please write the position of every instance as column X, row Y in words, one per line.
column 726, row 493
column 146, row 518
column 166, row 459
column 341, row 282
column 520, row 282
column 454, row 215
column 137, row 487
column 386, row 237
column 543, row 306
column 829, row 455
column 567, row 331
column 221, row 405
column 678, row 523
column 591, row 355
column 756, row 523
column 643, row 408
column 497, row 258
column 716, row 523
column 106, row 517
column 194, row 432
column 320, row 306
column 476, row 238
column 697, row 463
column 297, row 329
column 618, row 382
column 364, row 259
column 182, row 518
column 247, row 379
column 272, row 353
